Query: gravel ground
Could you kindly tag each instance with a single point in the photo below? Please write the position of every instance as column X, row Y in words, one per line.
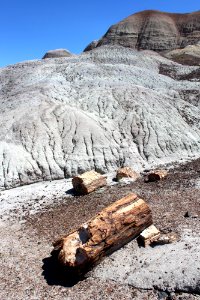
column 29, row 272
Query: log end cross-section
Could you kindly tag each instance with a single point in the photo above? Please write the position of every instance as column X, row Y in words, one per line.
column 113, row 227
column 88, row 182
column 156, row 175
column 126, row 172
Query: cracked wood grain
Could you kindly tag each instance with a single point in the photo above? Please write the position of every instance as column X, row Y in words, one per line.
column 109, row 230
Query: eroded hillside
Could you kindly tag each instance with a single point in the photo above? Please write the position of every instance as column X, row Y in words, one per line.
column 105, row 108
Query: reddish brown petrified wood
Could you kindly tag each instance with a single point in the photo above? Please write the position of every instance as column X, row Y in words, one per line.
column 156, row 175
column 88, row 182
column 126, row 172
column 109, row 230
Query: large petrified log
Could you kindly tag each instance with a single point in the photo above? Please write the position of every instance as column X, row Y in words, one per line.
column 107, row 231
column 88, row 182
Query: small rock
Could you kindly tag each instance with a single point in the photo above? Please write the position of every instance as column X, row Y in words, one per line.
column 146, row 170
column 187, row 214
column 166, row 238
column 195, row 216
column 162, row 295
column 190, row 215
column 22, row 221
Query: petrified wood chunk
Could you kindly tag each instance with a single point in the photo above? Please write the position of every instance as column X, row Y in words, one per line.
column 107, row 231
column 149, row 235
column 88, row 182
column 156, row 175
column 126, row 172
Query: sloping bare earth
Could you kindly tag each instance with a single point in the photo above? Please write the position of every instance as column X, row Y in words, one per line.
column 163, row 272
column 101, row 110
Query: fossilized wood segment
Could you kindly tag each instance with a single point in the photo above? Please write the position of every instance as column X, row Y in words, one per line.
column 156, row 175
column 149, row 235
column 114, row 226
column 126, row 172
column 88, row 182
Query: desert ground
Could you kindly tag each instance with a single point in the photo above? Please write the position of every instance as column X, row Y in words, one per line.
column 50, row 209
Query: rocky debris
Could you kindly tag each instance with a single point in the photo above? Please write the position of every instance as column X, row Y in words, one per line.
column 163, row 295
column 126, row 172
column 153, row 30
column 190, row 55
column 57, row 53
column 166, row 238
column 190, row 215
column 156, row 175
column 113, row 227
column 88, row 182
column 149, row 235
column 62, row 117
column 187, row 214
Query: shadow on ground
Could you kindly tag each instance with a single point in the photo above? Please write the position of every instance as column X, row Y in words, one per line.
column 55, row 274
column 71, row 192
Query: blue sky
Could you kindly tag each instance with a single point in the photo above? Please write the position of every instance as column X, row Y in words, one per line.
column 29, row 28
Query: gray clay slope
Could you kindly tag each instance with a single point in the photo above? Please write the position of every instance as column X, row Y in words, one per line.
column 106, row 108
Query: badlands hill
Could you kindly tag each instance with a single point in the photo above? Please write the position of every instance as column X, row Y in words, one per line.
column 109, row 107
column 153, row 30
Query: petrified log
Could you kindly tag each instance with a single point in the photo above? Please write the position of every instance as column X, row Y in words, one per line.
column 126, row 172
column 156, row 175
column 107, row 231
column 88, row 182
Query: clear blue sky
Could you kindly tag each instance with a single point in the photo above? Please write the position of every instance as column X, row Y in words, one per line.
column 29, row 28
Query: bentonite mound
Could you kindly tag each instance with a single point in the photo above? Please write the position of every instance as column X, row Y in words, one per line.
column 189, row 55
column 107, row 108
column 154, row 30
column 57, row 53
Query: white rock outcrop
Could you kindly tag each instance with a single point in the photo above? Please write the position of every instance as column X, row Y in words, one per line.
column 104, row 109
